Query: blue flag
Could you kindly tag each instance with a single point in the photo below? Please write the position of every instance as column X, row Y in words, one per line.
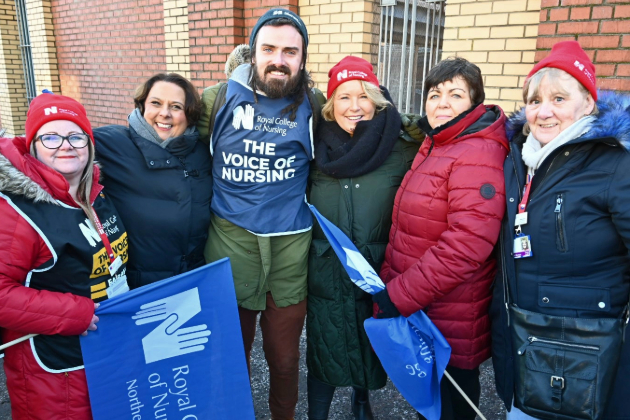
column 414, row 354
column 172, row 349
column 360, row 271
column 412, row 350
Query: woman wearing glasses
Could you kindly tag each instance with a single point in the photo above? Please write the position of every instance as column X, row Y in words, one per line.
column 158, row 174
column 62, row 248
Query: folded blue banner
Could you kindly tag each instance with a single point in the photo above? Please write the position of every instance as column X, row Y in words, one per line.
column 414, row 354
column 360, row 271
column 412, row 350
column 172, row 349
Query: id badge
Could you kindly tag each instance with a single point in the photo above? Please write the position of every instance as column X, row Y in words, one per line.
column 117, row 286
column 521, row 219
column 113, row 268
column 522, row 246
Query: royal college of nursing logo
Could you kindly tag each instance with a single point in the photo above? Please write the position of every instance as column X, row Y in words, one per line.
column 344, row 74
column 584, row 70
column 244, row 117
column 169, row 339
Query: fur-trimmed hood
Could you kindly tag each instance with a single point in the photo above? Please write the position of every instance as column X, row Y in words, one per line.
column 240, row 55
column 613, row 119
column 13, row 181
column 22, row 174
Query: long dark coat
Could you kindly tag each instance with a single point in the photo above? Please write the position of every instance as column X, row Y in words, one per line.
column 339, row 352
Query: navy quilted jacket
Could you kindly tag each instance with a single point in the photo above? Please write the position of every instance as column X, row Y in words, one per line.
column 579, row 222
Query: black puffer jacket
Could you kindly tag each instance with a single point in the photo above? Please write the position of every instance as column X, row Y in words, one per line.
column 579, row 222
column 162, row 195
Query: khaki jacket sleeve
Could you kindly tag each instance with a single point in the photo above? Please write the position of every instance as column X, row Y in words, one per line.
column 208, row 97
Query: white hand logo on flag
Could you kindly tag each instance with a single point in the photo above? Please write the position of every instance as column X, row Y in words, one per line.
column 168, row 339
column 370, row 281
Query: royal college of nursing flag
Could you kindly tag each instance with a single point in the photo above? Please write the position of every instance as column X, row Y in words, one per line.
column 412, row 350
column 172, row 349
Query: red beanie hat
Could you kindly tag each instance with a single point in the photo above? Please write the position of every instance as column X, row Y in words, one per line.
column 350, row 68
column 570, row 57
column 50, row 107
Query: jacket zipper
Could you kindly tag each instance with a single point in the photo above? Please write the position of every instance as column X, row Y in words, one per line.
column 532, row 340
column 502, row 240
column 562, row 241
column 504, row 275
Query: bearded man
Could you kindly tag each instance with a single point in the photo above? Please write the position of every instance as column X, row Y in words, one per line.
column 261, row 138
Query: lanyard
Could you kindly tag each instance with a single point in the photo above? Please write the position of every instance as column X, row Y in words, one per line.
column 104, row 238
column 523, row 204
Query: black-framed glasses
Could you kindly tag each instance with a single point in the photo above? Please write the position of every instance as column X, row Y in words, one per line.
column 54, row 141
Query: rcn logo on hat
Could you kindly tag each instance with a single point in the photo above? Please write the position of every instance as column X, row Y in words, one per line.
column 584, row 70
column 344, row 74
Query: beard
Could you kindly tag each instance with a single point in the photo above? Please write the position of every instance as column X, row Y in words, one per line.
column 278, row 88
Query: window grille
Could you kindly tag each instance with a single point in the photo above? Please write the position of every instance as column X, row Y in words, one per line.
column 25, row 50
column 410, row 43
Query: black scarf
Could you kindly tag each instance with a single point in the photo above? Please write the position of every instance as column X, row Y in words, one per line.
column 340, row 155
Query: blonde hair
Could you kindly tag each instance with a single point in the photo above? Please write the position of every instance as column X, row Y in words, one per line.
column 87, row 179
column 532, row 86
column 373, row 93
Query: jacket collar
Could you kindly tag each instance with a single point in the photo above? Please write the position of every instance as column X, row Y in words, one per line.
column 480, row 121
column 613, row 120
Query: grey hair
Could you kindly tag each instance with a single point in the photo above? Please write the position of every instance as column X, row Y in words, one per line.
column 532, row 86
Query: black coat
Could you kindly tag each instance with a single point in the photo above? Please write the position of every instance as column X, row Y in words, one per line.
column 163, row 197
column 579, row 222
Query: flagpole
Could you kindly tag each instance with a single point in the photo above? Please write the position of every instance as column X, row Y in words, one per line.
column 450, row 378
column 16, row 341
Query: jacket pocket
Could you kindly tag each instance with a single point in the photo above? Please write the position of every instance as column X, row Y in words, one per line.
column 561, row 236
column 376, row 255
column 323, row 270
column 395, row 180
column 577, row 298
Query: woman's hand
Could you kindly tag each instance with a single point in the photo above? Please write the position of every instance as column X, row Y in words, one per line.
column 92, row 326
column 383, row 305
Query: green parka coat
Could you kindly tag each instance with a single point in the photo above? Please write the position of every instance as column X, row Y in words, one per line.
column 338, row 350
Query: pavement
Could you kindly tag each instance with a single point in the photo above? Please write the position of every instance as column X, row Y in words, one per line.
column 387, row 403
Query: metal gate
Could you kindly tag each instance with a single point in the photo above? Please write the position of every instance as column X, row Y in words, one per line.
column 25, row 49
column 410, row 44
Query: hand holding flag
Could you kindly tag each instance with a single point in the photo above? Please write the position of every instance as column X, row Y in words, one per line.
column 412, row 350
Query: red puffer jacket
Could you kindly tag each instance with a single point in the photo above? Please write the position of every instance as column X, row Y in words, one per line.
column 36, row 394
column 446, row 221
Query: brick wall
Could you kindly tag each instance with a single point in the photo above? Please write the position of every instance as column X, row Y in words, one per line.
column 500, row 37
column 216, row 27
column 13, row 104
column 105, row 49
column 338, row 28
column 602, row 27
column 176, row 37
